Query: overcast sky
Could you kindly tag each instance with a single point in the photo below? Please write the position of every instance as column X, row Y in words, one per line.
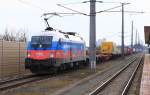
column 26, row 14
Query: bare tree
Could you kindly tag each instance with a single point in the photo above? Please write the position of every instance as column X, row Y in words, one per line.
column 21, row 35
column 6, row 35
column 12, row 37
column 1, row 37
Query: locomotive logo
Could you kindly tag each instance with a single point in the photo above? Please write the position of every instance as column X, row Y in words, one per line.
column 39, row 54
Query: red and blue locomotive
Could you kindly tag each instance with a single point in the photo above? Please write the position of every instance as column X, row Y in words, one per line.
column 53, row 50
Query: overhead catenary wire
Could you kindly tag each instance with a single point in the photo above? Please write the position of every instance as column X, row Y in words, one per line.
column 73, row 3
column 92, row 28
column 106, row 10
column 111, row 8
column 73, row 10
column 127, row 11
column 77, row 12
column 57, row 13
column 85, row 13
column 30, row 4
column 102, row 2
column 60, row 14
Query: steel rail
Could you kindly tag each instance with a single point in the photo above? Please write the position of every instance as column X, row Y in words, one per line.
column 98, row 89
column 9, row 84
column 21, row 82
column 16, row 79
column 125, row 90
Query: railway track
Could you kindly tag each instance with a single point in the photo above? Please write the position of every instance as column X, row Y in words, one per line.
column 15, row 79
column 118, row 84
column 9, row 84
column 88, row 84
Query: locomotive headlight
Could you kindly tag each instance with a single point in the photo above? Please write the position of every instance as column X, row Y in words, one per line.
column 29, row 54
column 51, row 55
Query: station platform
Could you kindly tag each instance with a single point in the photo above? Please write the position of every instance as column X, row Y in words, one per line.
column 145, row 81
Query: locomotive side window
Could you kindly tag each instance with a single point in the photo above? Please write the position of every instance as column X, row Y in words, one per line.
column 41, row 41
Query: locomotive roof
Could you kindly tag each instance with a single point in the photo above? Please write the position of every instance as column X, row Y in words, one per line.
column 70, row 36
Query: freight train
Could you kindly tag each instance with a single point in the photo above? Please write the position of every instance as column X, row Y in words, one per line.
column 53, row 50
column 109, row 50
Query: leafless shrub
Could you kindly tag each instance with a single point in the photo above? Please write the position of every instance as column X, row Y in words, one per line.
column 1, row 37
column 20, row 35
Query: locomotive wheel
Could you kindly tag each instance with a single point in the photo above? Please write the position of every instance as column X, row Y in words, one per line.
column 62, row 67
column 33, row 70
column 71, row 65
column 76, row 65
column 36, row 71
column 54, row 70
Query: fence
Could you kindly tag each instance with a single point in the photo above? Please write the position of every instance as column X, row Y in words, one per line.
column 12, row 55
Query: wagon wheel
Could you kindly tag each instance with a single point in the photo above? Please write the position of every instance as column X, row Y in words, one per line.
column 54, row 70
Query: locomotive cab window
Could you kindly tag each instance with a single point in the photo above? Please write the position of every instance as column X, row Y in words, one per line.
column 41, row 41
